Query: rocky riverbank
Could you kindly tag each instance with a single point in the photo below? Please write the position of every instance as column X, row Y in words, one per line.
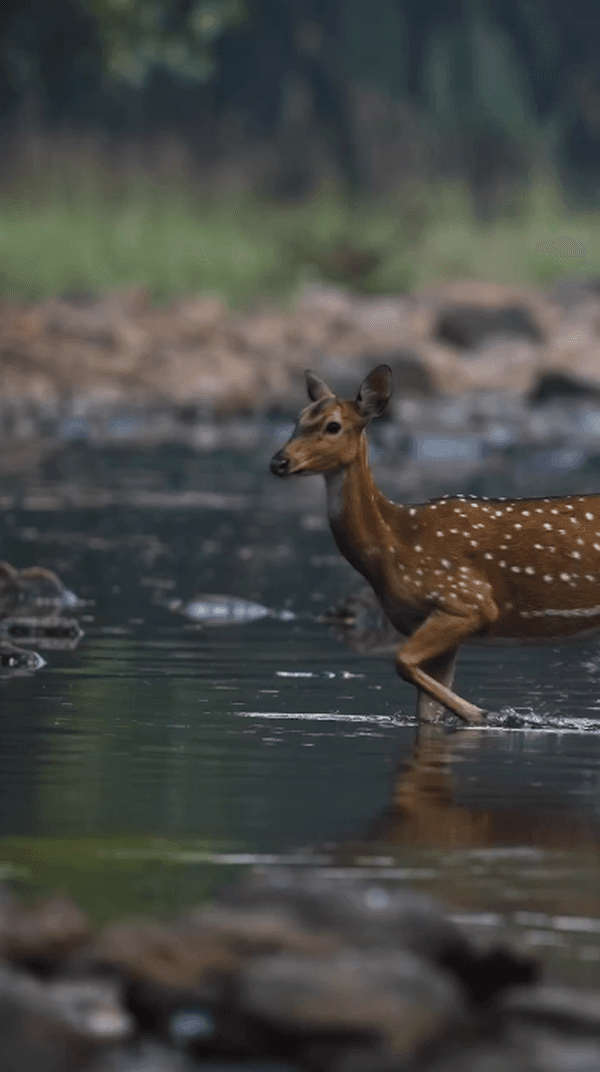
column 78, row 356
column 292, row 968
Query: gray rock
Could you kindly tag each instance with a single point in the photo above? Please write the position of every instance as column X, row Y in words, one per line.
column 93, row 1007
column 545, row 1049
column 562, row 386
column 495, row 1055
column 373, row 916
column 394, row 999
column 46, row 1029
column 143, row 1056
column 468, row 326
column 18, row 662
column 51, row 633
column 220, row 610
column 43, row 933
column 570, row 1010
column 363, row 914
column 572, row 292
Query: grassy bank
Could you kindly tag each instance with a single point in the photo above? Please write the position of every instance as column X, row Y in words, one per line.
column 70, row 224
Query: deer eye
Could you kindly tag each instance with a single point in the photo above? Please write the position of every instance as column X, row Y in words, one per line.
column 333, row 427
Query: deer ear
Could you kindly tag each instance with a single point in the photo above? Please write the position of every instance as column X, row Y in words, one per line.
column 316, row 388
column 375, row 392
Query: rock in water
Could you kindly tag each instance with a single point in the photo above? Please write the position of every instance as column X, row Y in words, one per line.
column 224, row 610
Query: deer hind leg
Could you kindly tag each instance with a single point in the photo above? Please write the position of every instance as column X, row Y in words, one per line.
column 439, row 636
column 441, row 668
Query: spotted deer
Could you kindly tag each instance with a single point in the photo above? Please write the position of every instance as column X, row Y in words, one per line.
column 454, row 570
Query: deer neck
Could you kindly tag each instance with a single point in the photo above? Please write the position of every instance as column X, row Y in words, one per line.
column 362, row 520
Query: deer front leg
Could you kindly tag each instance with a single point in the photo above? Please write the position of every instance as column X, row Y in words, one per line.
column 440, row 669
column 438, row 638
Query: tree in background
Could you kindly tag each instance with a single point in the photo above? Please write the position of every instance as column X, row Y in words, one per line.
column 483, row 86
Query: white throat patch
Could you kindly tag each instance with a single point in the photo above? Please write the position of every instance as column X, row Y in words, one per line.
column 335, row 499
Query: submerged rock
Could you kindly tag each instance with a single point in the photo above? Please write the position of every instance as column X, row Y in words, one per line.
column 53, row 633
column 225, row 610
column 31, row 602
column 16, row 661
column 33, row 591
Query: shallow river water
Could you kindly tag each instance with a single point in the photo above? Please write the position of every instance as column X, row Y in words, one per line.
column 147, row 764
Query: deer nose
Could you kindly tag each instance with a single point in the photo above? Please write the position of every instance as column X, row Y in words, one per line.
column 279, row 463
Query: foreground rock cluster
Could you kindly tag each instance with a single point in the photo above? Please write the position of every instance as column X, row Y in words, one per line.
column 297, row 967
column 76, row 355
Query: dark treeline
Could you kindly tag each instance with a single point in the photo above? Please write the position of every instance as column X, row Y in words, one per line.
column 486, row 89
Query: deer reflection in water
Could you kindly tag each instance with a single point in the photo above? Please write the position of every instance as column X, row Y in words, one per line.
column 423, row 809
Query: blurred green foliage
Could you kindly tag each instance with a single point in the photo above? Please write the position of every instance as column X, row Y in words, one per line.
column 486, row 90
column 399, row 144
column 75, row 224
column 139, row 35
column 117, row 875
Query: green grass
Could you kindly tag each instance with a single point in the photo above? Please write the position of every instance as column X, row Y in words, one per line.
column 117, row 875
column 86, row 226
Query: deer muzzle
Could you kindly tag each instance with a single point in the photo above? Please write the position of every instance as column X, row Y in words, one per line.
column 280, row 463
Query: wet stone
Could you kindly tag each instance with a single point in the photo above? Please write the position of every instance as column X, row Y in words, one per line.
column 576, row 1011
column 289, row 968
column 468, row 326
column 32, row 592
column 16, row 661
column 31, row 602
column 373, row 916
column 54, row 632
column 176, row 957
column 42, row 1030
column 143, row 1056
column 562, row 386
column 44, row 933
column 93, row 1006
column 220, row 610
column 394, row 1000
column 572, row 292
column 251, row 931
column 551, row 1049
column 495, row 1055
column 175, row 979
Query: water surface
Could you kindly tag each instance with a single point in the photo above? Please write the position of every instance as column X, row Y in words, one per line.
column 156, row 758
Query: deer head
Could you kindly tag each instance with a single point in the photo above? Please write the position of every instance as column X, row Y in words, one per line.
column 328, row 432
